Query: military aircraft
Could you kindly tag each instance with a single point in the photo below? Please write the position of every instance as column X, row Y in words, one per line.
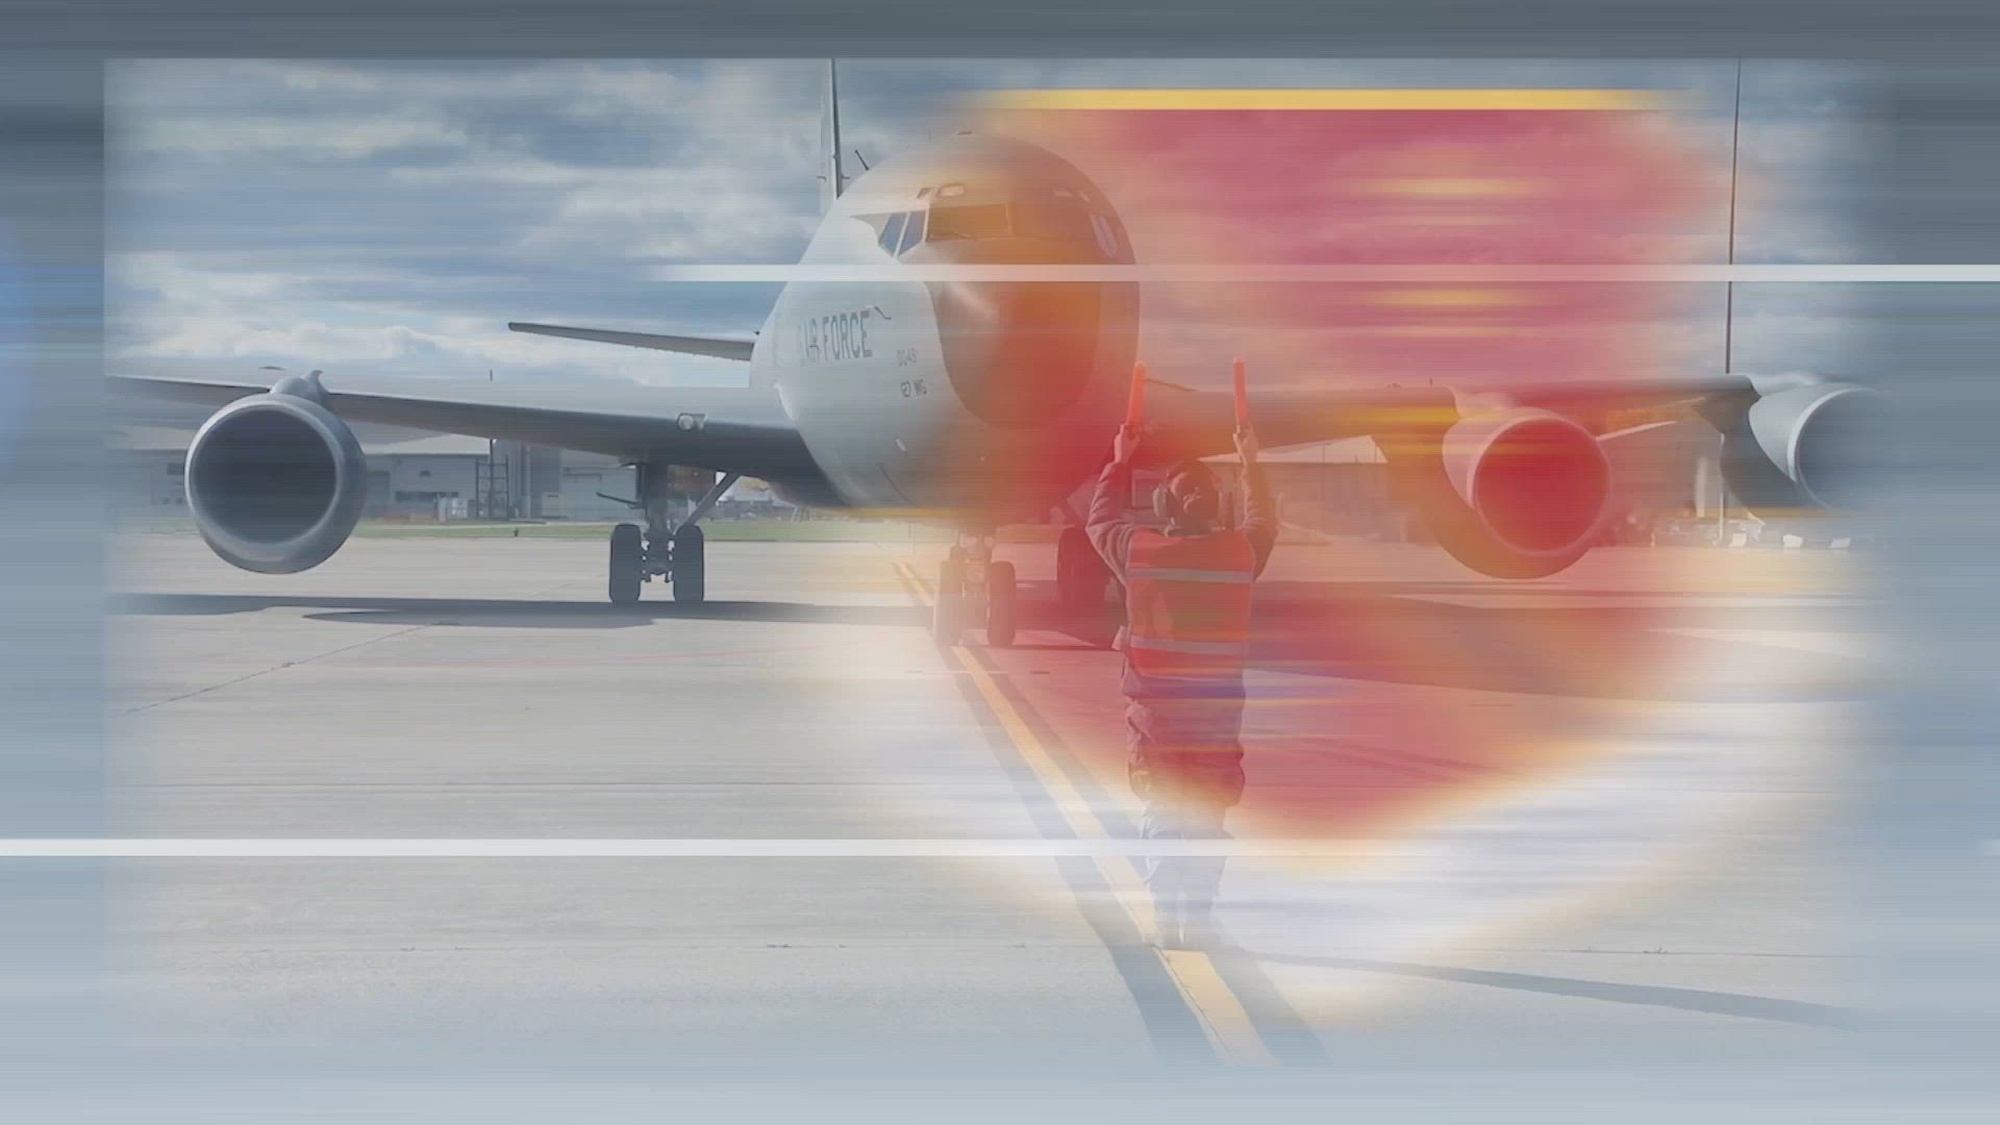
column 974, row 402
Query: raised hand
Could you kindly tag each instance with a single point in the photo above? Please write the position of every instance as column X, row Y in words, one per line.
column 1246, row 445
column 1125, row 445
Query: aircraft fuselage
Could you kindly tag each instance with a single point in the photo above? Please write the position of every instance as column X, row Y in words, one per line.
column 980, row 401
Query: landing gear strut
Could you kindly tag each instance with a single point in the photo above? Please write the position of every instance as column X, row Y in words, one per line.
column 674, row 552
column 971, row 586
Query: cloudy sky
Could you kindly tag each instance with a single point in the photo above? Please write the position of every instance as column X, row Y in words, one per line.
column 392, row 217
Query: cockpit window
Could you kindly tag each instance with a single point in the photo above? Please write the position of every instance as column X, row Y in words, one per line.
column 892, row 232
column 1107, row 235
column 978, row 220
column 913, row 233
column 1054, row 222
column 1067, row 223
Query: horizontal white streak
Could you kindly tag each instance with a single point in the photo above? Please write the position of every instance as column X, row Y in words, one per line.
column 1775, row 274
column 585, row 848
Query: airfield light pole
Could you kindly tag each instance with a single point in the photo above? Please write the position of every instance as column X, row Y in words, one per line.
column 1729, row 300
column 489, row 506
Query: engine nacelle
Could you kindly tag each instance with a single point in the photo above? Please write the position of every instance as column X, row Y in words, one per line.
column 276, row 482
column 1810, row 447
column 1517, row 494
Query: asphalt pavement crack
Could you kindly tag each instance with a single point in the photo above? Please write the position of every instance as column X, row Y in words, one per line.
column 276, row 668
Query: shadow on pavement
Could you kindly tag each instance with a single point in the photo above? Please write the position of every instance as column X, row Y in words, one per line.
column 1393, row 633
column 507, row 614
column 1658, row 996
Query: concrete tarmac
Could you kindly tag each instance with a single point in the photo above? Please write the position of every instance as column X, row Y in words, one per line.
column 1663, row 884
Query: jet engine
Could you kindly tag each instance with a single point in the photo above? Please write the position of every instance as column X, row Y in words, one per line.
column 1809, row 447
column 1516, row 494
column 276, row 481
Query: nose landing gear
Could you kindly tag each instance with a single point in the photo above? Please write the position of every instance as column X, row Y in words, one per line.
column 971, row 588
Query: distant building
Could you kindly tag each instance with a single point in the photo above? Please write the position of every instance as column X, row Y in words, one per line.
column 1669, row 468
column 540, row 482
column 1335, row 487
column 409, row 473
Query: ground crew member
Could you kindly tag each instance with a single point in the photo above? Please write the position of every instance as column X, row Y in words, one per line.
column 1187, row 604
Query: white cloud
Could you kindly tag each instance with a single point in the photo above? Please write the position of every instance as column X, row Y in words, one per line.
column 256, row 135
column 395, row 216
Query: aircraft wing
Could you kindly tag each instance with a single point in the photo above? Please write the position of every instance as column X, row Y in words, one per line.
column 741, row 430
column 721, row 347
column 1200, row 423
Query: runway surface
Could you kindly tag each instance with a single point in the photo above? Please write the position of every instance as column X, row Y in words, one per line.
column 1585, row 815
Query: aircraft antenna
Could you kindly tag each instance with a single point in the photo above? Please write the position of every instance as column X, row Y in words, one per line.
column 1729, row 299
column 1729, row 287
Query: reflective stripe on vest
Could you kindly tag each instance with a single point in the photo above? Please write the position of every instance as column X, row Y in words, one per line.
column 1196, row 648
column 1183, row 574
column 1187, row 604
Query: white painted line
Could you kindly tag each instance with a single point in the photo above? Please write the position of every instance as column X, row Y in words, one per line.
column 585, row 848
column 1832, row 273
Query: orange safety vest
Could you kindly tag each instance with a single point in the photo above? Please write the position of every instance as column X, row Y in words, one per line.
column 1187, row 604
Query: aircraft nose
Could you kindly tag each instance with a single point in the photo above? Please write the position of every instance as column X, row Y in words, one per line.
column 1019, row 353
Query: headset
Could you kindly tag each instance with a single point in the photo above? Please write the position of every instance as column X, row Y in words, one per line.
column 1165, row 505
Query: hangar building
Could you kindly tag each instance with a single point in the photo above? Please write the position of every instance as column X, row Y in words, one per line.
column 412, row 474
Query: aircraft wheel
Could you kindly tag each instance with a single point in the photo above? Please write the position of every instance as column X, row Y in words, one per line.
column 1000, row 605
column 690, row 566
column 947, row 608
column 628, row 562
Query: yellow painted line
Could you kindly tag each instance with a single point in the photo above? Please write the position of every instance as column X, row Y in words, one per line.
column 1075, row 810
column 1439, row 331
column 1221, row 1014
column 1356, row 99
column 1453, row 187
column 1446, row 297
column 1081, row 817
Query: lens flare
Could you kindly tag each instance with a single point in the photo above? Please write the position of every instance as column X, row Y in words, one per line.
column 1392, row 695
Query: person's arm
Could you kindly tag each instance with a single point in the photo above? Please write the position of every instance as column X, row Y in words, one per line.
column 1108, row 525
column 1260, row 512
